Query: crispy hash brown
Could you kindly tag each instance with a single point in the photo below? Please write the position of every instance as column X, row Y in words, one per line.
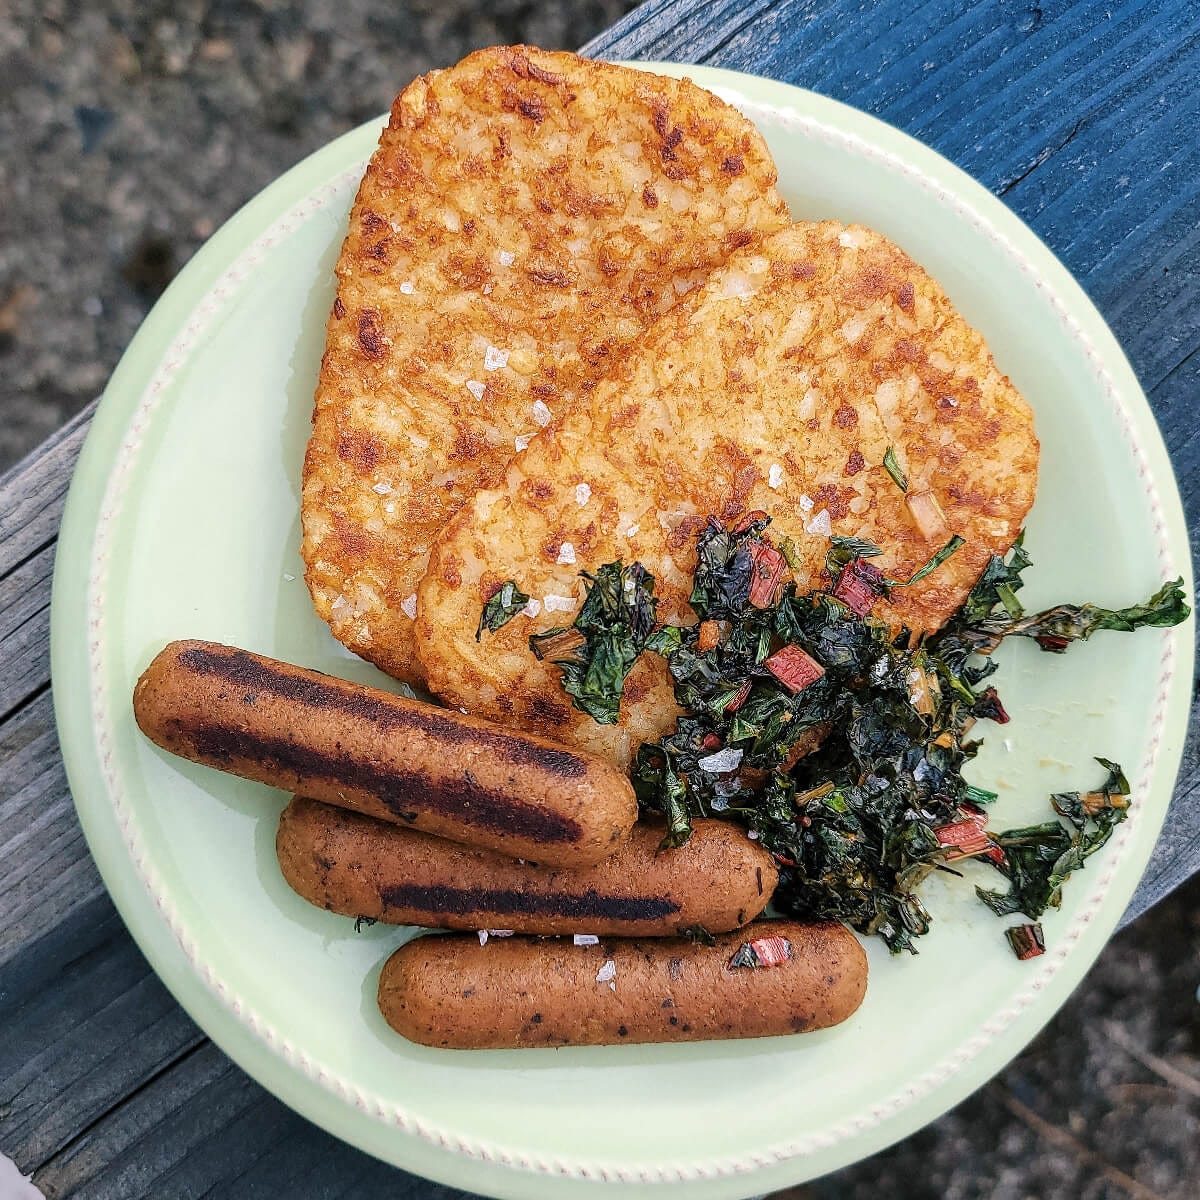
column 526, row 216
column 779, row 386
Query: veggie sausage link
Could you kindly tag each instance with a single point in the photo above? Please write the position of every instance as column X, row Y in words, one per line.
column 448, row 990
column 384, row 755
column 358, row 866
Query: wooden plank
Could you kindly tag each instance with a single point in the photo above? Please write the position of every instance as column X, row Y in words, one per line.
column 25, row 629
column 33, row 491
column 203, row 1128
column 46, row 873
column 113, row 1026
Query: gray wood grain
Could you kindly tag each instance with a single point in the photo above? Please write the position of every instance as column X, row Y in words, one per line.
column 106, row 1088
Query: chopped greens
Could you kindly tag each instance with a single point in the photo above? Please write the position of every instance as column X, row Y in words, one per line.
column 932, row 565
column 893, row 469
column 598, row 650
column 836, row 742
column 762, row 952
column 505, row 602
column 1038, row 860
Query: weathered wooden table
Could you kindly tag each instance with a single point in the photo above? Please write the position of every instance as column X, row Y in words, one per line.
column 1083, row 117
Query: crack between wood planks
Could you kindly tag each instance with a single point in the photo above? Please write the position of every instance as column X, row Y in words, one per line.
column 749, row 19
column 26, row 620
column 1044, row 155
column 21, row 705
column 26, row 559
column 199, row 1044
column 1166, row 375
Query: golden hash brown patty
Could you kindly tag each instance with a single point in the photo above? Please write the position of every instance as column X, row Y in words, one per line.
column 526, row 216
column 779, row 386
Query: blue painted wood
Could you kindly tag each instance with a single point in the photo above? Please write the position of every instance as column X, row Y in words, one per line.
column 1083, row 117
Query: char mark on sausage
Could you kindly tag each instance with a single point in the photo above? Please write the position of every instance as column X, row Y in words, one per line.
column 461, row 900
column 460, row 798
column 324, row 694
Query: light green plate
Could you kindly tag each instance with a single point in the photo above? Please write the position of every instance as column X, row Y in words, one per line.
column 182, row 522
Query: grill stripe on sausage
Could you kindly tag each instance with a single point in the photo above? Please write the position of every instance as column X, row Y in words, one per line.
column 461, row 798
column 505, row 900
column 320, row 694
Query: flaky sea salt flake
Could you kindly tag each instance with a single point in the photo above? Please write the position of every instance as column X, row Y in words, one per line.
column 723, row 760
column 820, row 524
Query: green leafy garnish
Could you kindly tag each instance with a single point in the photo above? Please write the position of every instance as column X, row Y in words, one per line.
column 850, row 772
column 842, row 550
column 505, row 602
column 932, row 565
column 893, row 469
column 598, row 650
column 978, row 628
column 1056, row 627
column 791, row 555
column 1039, row 859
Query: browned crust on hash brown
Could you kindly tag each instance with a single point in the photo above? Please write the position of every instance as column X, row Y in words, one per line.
column 778, row 386
column 526, row 216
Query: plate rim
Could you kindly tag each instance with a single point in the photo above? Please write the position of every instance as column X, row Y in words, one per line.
column 143, row 910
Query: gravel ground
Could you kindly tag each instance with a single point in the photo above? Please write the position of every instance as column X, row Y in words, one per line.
column 132, row 130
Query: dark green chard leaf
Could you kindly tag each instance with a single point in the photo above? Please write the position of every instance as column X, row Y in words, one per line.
column 1038, row 860
column 1000, row 572
column 598, row 650
column 1055, row 628
column 505, row 602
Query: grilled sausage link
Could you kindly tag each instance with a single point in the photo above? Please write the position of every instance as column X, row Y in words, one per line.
column 448, row 990
column 361, row 867
column 384, row 755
